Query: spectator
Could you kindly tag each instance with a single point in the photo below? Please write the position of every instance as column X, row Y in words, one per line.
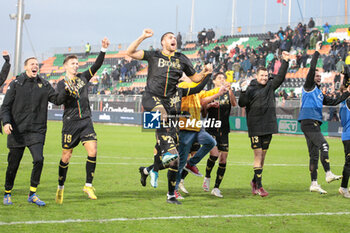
column 237, row 68
column 210, row 35
column 179, row 41
column 292, row 94
column 326, row 28
column 87, row 49
column 293, row 67
column 347, row 60
column 313, row 40
column 340, row 65
column 246, row 66
column 237, row 49
column 198, row 67
column 311, row 23
column 201, row 53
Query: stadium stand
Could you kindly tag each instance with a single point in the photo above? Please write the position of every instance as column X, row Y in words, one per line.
column 129, row 77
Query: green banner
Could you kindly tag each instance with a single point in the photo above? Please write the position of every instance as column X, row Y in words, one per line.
column 284, row 125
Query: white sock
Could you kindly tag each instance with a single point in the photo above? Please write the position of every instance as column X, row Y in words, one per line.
column 88, row 184
column 60, row 187
column 314, row 183
column 145, row 171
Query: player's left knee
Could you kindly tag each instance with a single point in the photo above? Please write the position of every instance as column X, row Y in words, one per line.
column 325, row 147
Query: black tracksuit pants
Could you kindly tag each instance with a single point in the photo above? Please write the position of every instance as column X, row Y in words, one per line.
column 14, row 158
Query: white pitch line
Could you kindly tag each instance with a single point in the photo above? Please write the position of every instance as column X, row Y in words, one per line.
column 173, row 217
column 229, row 164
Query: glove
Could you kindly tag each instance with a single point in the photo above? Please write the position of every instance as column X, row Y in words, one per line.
column 70, row 87
column 244, row 85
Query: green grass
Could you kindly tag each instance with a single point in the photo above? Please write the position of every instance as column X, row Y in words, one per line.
column 121, row 150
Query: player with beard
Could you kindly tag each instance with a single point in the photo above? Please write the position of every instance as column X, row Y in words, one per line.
column 165, row 68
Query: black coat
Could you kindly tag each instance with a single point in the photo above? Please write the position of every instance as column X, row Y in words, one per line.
column 259, row 101
column 25, row 108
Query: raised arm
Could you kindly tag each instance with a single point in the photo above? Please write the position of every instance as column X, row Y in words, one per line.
column 57, row 96
column 278, row 80
column 5, row 68
column 99, row 60
column 310, row 78
column 132, row 51
column 243, row 100
column 197, row 77
column 196, row 89
column 335, row 101
column 232, row 95
column 211, row 96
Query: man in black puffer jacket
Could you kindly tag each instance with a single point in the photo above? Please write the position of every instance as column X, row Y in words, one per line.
column 24, row 115
column 259, row 100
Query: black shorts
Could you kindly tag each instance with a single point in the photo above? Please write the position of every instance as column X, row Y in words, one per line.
column 261, row 142
column 150, row 102
column 74, row 132
column 221, row 140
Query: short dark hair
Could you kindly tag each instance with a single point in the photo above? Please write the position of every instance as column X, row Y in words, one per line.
column 29, row 58
column 261, row 68
column 161, row 39
column 69, row 57
column 219, row 73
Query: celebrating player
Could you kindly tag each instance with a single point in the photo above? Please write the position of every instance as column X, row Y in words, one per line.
column 219, row 110
column 344, row 114
column 310, row 118
column 165, row 68
column 259, row 100
column 24, row 115
column 77, row 122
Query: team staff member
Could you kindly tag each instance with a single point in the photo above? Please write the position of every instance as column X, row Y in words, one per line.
column 344, row 114
column 24, row 115
column 77, row 122
column 310, row 118
column 219, row 110
column 165, row 68
column 259, row 100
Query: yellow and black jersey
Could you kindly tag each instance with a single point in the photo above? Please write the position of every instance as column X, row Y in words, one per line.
column 221, row 113
column 165, row 71
column 79, row 108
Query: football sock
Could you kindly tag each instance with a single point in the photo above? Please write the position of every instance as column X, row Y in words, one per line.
column 32, row 190
column 90, row 169
column 7, row 192
column 325, row 161
column 220, row 174
column 346, row 172
column 172, row 172
column 62, row 172
column 313, row 166
column 210, row 164
column 258, row 176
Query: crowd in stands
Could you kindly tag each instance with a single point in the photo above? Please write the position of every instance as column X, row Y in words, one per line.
column 241, row 62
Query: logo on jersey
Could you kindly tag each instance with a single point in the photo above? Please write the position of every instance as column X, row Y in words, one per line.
column 175, row 64
column 151, row 120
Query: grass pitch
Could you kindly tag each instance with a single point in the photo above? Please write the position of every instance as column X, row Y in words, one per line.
column 123, row 205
